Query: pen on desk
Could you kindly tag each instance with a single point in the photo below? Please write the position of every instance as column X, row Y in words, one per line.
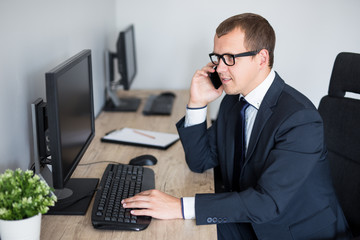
column 144, row 134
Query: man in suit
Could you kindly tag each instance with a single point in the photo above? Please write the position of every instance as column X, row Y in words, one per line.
column 280, row 187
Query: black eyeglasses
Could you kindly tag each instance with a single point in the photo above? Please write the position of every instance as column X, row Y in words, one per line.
column 229, row 59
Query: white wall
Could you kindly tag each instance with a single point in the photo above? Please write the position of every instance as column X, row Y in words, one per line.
column 175, row 37
column 36, row 36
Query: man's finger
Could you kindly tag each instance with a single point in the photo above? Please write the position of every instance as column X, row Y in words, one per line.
column 137, row 204
column 141, row 212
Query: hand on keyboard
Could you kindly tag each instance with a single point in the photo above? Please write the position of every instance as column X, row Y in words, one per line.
column 154, row 203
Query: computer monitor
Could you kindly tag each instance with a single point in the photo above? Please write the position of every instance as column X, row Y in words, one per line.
column 64, row 128
column 125, row 57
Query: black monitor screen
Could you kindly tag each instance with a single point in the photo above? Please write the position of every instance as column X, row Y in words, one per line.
column 74, row 112
column 70, row 114
column 126, row 55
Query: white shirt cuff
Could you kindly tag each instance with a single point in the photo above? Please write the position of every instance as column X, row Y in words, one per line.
column 195, row 116
column 189, row 207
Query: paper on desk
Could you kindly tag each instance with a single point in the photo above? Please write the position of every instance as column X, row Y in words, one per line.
column 141, row 137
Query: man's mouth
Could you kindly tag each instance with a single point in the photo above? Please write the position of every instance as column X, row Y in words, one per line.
column 225, row 79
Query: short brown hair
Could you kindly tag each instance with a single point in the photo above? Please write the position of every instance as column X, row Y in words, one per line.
column 258, row 32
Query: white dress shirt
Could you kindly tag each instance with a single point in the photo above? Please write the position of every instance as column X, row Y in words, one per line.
column 197, row 116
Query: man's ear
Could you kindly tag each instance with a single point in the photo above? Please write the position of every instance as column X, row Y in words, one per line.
column 264, row 58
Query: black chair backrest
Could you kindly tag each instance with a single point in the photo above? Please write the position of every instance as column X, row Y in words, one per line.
column 341, row 116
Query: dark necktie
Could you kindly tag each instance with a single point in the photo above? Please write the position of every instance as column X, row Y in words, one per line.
column 239, row 154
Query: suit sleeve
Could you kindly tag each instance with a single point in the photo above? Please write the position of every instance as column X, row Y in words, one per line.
column 199, row 144
column 297, row 148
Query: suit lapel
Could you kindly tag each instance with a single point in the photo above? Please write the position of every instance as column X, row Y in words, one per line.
column 264, row 113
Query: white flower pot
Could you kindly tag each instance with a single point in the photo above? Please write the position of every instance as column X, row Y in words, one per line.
column 25, row 229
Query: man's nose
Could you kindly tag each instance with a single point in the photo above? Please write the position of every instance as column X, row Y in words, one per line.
column 221, row 67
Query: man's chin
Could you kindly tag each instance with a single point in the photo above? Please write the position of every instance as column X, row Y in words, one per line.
column 230, row 91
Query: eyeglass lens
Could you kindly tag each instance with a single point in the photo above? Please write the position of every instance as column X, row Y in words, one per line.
column 227, row 58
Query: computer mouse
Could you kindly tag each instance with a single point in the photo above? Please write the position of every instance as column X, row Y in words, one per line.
column 143, row 160
column 171, row 94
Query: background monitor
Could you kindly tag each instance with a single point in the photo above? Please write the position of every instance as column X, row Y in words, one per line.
column 68, row 129
column 126, row 55
column 125, row 59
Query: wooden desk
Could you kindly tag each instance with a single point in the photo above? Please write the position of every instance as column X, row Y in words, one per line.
column 172, row 176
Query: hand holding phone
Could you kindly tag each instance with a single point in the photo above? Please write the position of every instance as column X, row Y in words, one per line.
column 215, row 79
column 201, row 91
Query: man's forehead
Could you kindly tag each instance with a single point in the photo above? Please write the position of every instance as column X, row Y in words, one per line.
column 232, row 41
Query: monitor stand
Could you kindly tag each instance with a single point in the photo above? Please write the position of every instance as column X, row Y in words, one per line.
column 116, row 104
column 75, row 198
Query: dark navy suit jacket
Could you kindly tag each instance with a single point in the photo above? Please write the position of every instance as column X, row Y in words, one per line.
column 286, row 191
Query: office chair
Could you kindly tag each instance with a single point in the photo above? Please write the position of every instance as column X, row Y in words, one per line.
column 341, row 116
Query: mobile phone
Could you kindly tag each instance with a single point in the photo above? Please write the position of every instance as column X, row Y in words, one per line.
column 215, row 79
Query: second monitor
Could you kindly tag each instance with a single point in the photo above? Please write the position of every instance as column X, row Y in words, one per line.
column 127, row 67
column 125, row 57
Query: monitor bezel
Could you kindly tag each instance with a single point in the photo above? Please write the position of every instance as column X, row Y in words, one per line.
column 59, row 177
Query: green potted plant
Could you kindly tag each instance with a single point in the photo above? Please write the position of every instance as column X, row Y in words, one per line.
column 24, row 197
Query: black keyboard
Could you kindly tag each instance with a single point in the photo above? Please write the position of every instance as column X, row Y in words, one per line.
column 119, row 182
column 159, row 104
